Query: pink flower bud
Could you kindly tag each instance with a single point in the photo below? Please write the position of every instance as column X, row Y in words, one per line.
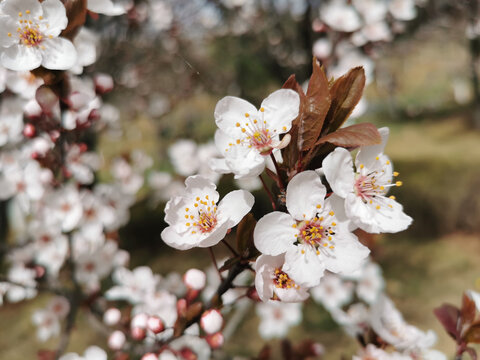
column 155, row 324
column 149, row 356
column 195, row 279
column 215, row 340
column 112, row 317
column 140, row 321
column 29, row 131
column 138, row 333
column 211, row 321
column 116, row 340
column 103, row 83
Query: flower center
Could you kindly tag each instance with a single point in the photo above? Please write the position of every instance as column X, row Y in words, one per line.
column 30, row 36
column 372, row 186
column 283, row 281
column 202, row 217
column 319, row 233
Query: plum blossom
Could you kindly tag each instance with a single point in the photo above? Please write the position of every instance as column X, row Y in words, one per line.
column 372, row 352
column 29, row 35
column 277, row 317
column 197, row 219
column 48, row 320
column 246, row 136
column 365, row 189
column 310, row 235
column 86, row 44
column 91, row 353
column 64, row 205
column 105, row 7
column 273, row 283
column 23, row 83
column 23, row 283
column 133, row 285
column 389, row 324
column 403, row 9
column 340, row 16
column 11, row 122
column 332, row 292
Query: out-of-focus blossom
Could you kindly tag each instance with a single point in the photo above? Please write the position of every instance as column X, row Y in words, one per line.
column 332, row 292
column 276, row 318
column 403, row 9
column 105, row 7
column 340, row 16
column 86, row 44
column 133, row 285
column 91, row 353
column 23, row 83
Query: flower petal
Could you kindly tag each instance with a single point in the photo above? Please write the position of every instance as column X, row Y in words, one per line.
column 7, row 26
column 348, row 255
column 280, row 109
column 304, row 193
column 303, row 265
column 180, row 242
column 232, row 110
column 234, row 206
column 338, row 169
column 12, row 8
column 367, row 154
column 213, row 238
column 274, row 233
column 105, row 7
column 55, row 14
column 59, row 54
column 21, row 58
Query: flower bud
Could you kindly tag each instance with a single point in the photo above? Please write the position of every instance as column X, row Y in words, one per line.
column 29, row 131
column 215, row 340
column 112, row 317
column 211, row 321
column 253, row 295
column 116, row 340
column 195, row 279
column 149, row 356
column 182, row 307
column 155, row 324
column 138, row 333
column 139, row 321
column 103, row 83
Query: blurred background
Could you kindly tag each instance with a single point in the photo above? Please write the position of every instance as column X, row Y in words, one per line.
column 172, row 61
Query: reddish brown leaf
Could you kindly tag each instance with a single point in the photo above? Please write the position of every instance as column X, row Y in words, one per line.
column 315, row 108
column 473, row 334
column 448, row 315
column 345, row 94
column 363, row 134
column 265, row 353
column 245, row 236
column 76, row 14
column 468, row 310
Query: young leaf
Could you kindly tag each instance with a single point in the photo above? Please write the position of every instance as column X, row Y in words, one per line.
column 363, row 134
column 76, row 13
column 345, row 94
column 468, row 310
column 448, row 315
column 316, row 107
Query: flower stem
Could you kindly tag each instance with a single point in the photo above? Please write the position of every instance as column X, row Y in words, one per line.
column 281, row 185
column 212, row 255
column 230, row 248
column 269, row 193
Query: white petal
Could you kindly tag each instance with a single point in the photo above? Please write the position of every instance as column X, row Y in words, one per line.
column 7, row 25
column 347, row 256
column 292, row 295
column 14, row 7
column 105, row 7
column 55, row 14
column 304, row 193
column 264, row 268
column 366, row 155
column 213, row 238
column 338, row 169
column 180, row 242
column 95, row 353
column 231, row 110
column 250, row 165
column 198, row 184
column 303, row 265
column 274, row 233
column 234, row 206
column 59, row 54
column 21, row 58
column 280, row 109
column 367, row 217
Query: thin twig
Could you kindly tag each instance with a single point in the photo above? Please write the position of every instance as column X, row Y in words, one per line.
column 212, row 255
column 269, row 193
column 277, row 169
column 230, row 248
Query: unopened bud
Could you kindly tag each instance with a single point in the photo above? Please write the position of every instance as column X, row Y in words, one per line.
column 215, row 340
column 149, row 356
column 284, row 142
column 211, row 321
column 138, row 333
column 188, row 354
column 195, row 279
column 103, row 83
column 116, row 340
column 112, row 317
column 253, row 295
column 155, row 324
column 140, row 321
column 29, row 131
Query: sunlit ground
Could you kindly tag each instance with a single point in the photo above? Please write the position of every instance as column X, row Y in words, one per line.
column 438, row 157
